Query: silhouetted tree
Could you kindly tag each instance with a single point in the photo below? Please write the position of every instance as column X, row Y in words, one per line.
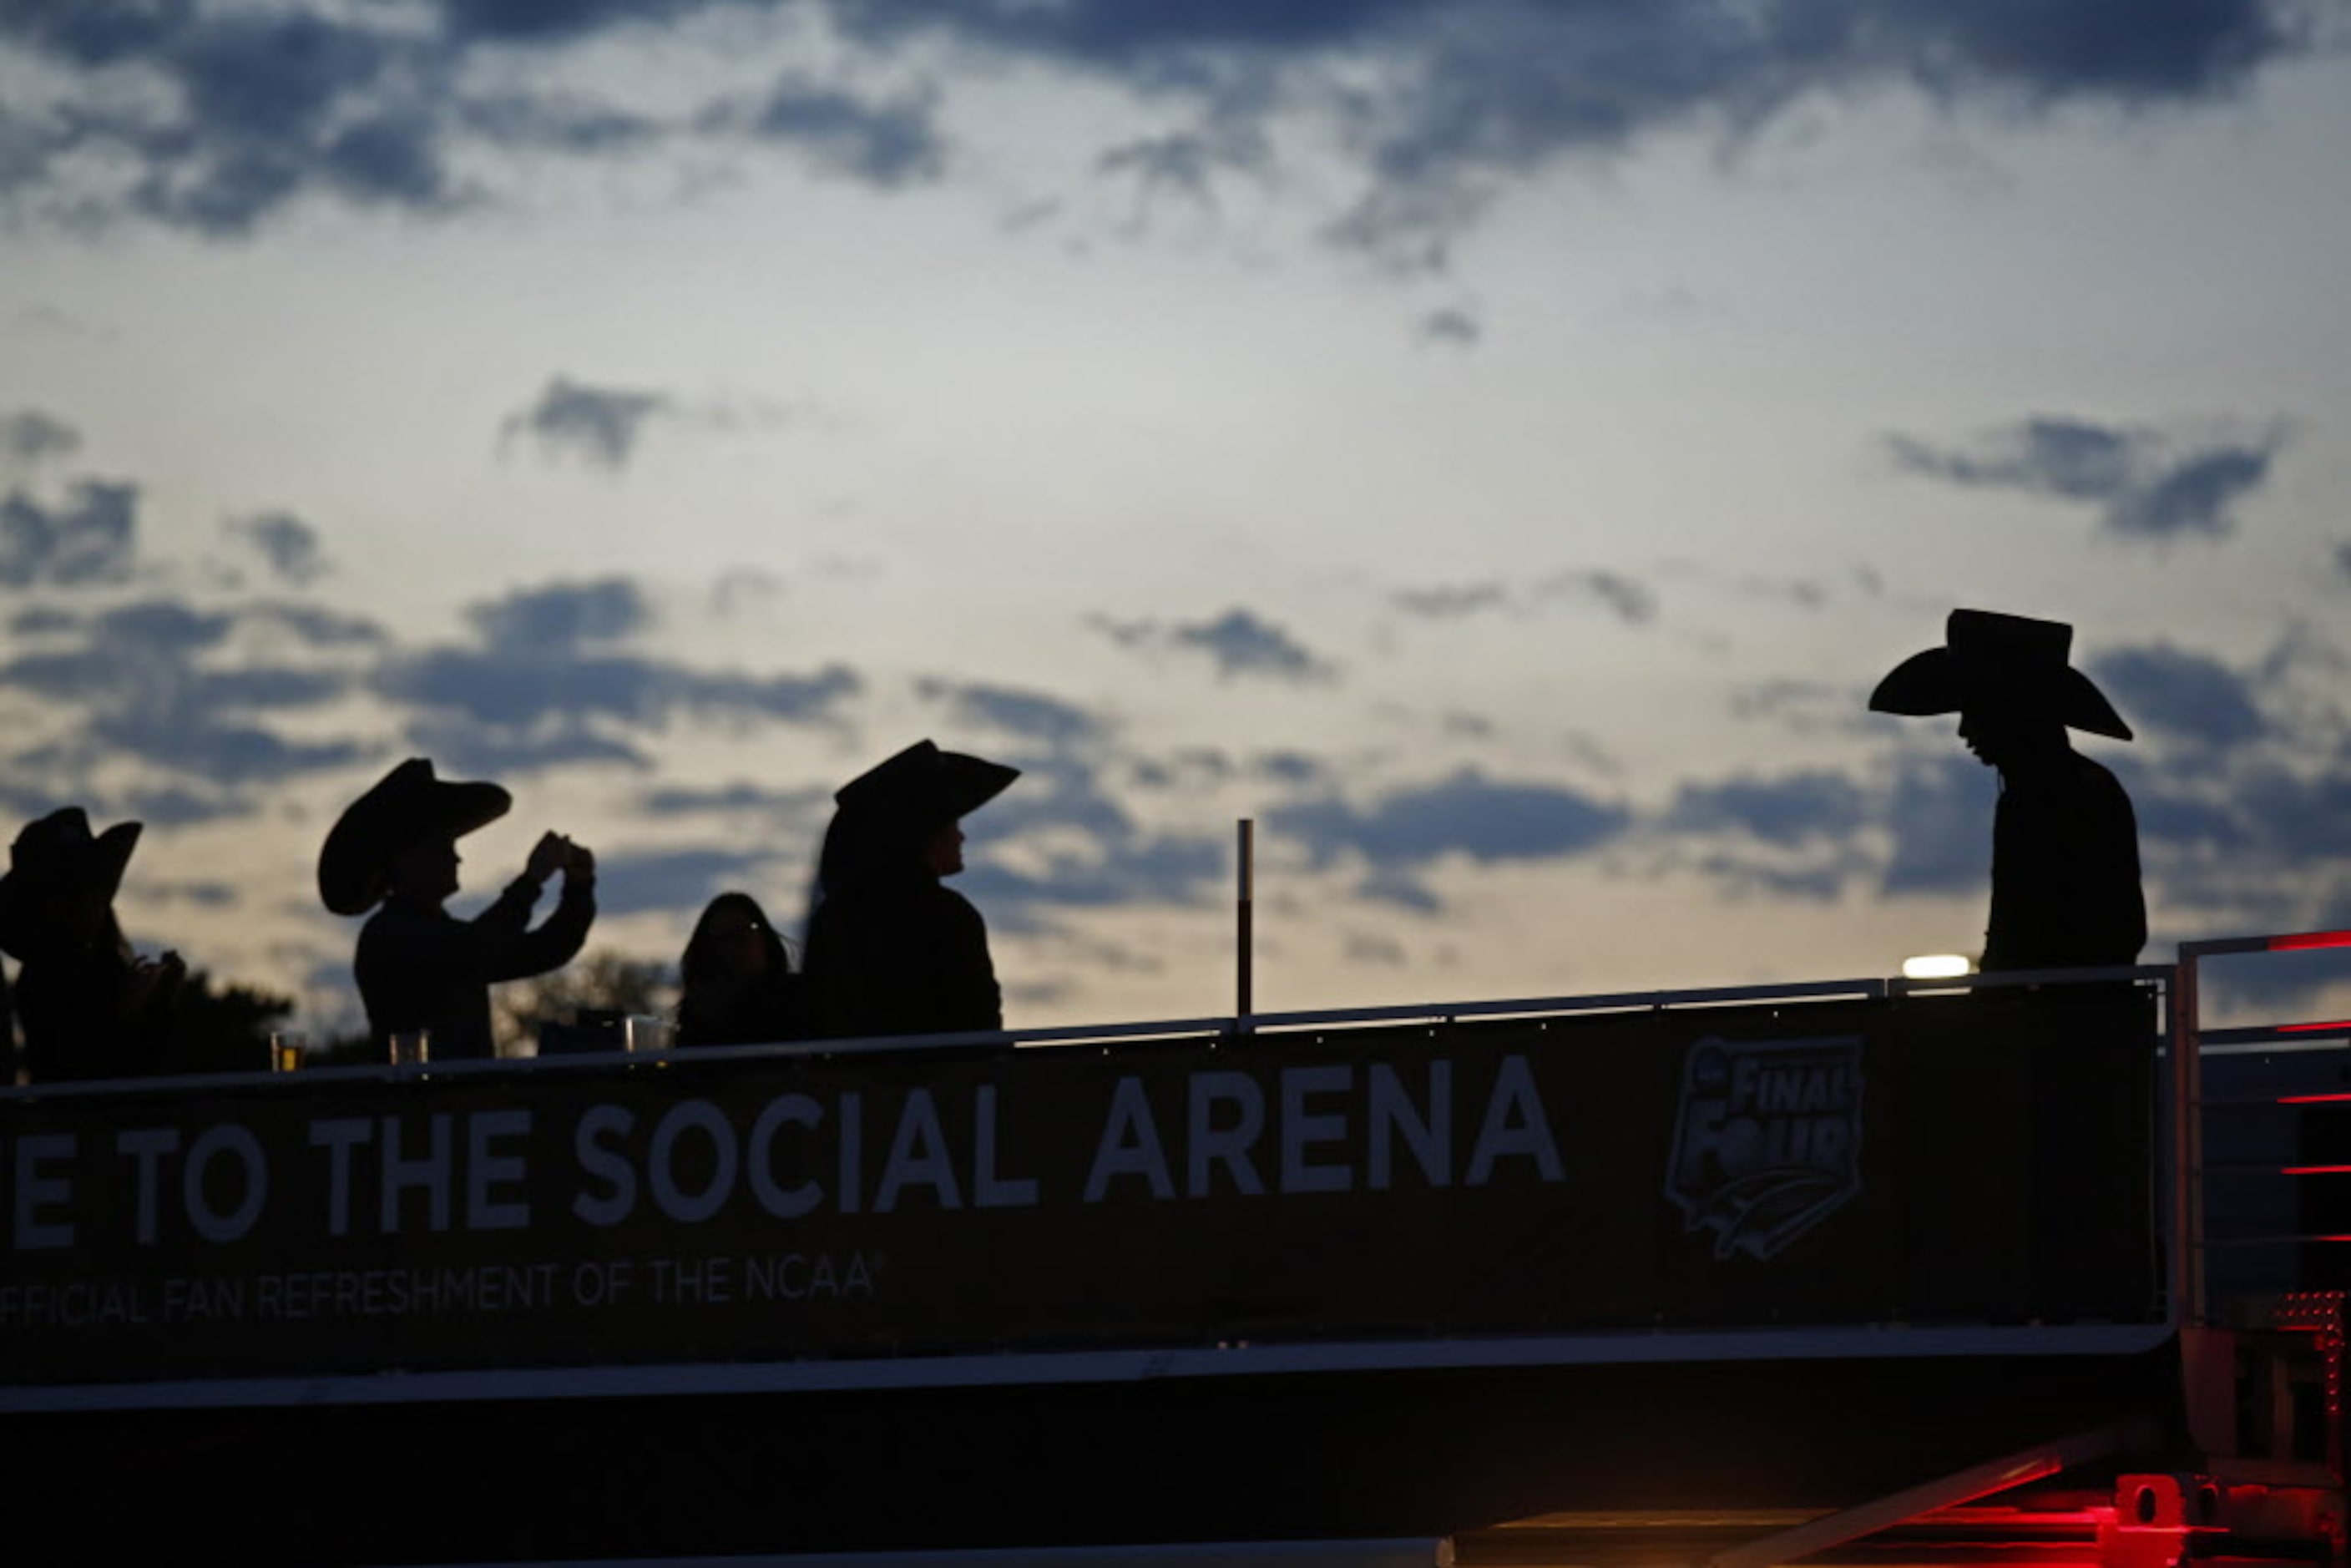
column 225, row 1027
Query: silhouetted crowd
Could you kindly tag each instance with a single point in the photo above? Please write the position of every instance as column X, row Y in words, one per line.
column 891, row 950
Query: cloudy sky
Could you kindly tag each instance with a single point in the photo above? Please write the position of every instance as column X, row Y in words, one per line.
column 1494, row 444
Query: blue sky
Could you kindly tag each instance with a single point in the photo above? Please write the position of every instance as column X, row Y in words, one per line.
column 1495, row 444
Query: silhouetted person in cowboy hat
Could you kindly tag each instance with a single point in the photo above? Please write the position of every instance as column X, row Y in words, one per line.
column 419, row 967
column 891, row 951
column 89, row 1006
column 2064, row 858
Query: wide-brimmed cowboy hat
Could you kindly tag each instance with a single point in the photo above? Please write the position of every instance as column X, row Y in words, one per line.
column 59, row 854
column 925, row 787
column 2000, row 663
column 406, row 806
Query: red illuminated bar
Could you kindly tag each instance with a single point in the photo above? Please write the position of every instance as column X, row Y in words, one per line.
column 2308, row 941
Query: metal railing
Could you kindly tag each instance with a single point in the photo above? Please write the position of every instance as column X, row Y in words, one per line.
column 2315, row 1046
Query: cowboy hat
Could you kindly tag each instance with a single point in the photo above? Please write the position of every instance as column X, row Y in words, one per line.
column 54, row 855
column 406, row 805
column 924, row 787
column 2005, row 663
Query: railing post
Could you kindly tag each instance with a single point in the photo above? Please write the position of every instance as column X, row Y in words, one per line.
column 2187, row 1284
column 1245, row 930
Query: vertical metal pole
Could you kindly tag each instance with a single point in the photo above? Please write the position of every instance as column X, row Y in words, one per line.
column 2187, row 1146
column 1243, row 1004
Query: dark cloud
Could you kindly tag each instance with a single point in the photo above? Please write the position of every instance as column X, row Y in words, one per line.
column 1940, row 813
column 1239, row 641
column 562, row 617
column 1451, row 325
column 1290, row 767
column 175, row 627
column 1514, row 87
column 1439, row 103
column 2261, row 847
column 2103, row 48
column 2187, row 816
column 1467, row 814
column 2147, row 485
column 289, row 543
column 2184, row 694
column 2298, row 815
column 551, row 683
column 520, row 688
column 143, row 682
column 90, row 539
column 39, row 620
column 555, row 122
column 542, row 21
column 1802, row 836
column 160, row 627
column 599, row 425
column 318, row 627
column 29, row 437
column 245, row 110
column 889, row 144
column 393, row 158
column 1030, row 714
column 218, row 748
column 1784, row 810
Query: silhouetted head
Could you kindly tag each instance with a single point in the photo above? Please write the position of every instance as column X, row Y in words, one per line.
column 944, row 853
column 425, row 872
column 61, row 882
column 733, row 939
column 403, row 831
column 903, row 817
column 2010, row 741
column 2001, row 671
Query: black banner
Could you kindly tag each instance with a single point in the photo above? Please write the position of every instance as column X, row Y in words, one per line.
column 1938, row 1159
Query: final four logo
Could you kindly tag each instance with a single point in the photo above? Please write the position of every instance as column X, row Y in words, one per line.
column 1769, row 1140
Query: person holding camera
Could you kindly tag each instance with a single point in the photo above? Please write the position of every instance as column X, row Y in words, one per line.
column 395, row 851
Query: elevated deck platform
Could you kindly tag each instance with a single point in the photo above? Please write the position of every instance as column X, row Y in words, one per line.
column 1386, row 1277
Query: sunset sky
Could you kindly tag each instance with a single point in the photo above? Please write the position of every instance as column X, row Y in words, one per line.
column 1496, row 445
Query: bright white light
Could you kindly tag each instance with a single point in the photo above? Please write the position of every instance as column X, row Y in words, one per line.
column 1935, row 966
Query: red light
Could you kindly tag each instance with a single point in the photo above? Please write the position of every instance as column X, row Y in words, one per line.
column 2305, row 941
column 2315, row 1170
column 2338, row 1027
column 2313, row 1099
